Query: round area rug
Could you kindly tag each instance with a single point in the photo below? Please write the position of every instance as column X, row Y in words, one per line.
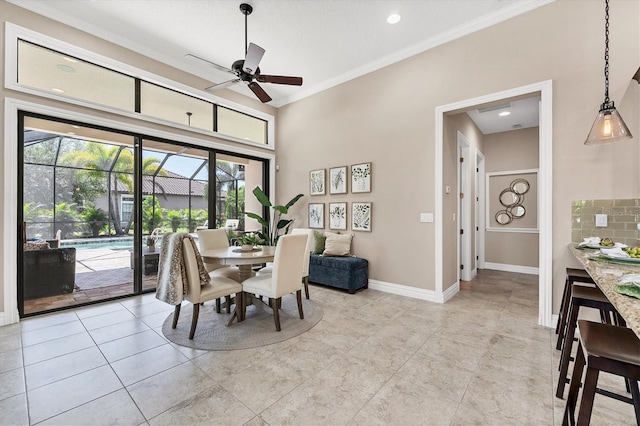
column 258, row 329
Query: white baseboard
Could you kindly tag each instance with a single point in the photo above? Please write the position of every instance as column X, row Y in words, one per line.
column 472, row 274
column 2, row 319
column 404, row 290
column 450, row 292
column 533, row 270
column 554, row 320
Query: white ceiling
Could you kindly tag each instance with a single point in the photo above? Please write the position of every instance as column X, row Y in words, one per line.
column 326, row 42
column 523, row 113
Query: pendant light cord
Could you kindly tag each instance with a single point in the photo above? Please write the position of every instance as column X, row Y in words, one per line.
column 606, row 52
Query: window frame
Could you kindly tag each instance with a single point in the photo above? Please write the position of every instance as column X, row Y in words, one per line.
column 126, row 199
column 14, row 33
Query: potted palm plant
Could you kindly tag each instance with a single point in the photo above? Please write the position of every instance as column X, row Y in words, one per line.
column 276, row 225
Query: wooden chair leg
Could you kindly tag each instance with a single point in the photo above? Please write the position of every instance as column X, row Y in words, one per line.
column 244, row 308
column 305, row 281
column 299, row 297
column 228, row 302
column 194, row 320
column 588, row 393
column 562, row 316
column 218, row 306
column 635, row 395
column 574, row 387
column 276, row 315
column 566, row 349
column 176, row 314
column 240, row 306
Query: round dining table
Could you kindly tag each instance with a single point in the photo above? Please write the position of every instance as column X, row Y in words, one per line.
column 244, row 260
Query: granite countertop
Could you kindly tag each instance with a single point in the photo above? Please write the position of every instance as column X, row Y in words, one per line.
column 606, row 276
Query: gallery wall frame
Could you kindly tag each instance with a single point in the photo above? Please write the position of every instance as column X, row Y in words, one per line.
column 338, row 180
column 316, row 182
column 360, row 178
column 316, row 215
column 361, row 217
column 338, row 216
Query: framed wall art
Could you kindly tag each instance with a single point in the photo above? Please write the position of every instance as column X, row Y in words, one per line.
column 338, row 215
column 316, row 215
column 361, row 178
column 361, row 217
column 338, row 180
column 316, row 182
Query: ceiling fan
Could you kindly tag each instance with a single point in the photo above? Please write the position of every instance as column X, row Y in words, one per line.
column 247, row 69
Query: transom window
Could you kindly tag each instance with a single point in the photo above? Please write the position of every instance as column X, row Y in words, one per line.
column 58, row 73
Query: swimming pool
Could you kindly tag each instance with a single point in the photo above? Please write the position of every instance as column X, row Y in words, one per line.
column 113, row 244
column 124, row 243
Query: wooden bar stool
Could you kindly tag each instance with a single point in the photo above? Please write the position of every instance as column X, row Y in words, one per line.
column 590, row 297
column 608, row 348
column 573, row 276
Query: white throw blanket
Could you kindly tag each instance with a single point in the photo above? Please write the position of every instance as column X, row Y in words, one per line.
column 172, row 275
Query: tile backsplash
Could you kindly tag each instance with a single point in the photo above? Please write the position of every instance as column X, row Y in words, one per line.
column 623, row 217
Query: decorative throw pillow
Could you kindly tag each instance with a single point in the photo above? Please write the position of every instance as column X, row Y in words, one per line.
column 337, row 244
column 318, row 242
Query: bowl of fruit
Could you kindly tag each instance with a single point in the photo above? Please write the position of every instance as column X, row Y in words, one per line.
column 633, row 252
column 607, row 242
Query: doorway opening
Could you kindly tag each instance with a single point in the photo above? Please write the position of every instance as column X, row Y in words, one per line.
column 445, row 285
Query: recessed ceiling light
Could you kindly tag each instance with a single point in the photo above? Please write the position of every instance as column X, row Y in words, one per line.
column 394, row 18
column 55, row 89
column 504, row 113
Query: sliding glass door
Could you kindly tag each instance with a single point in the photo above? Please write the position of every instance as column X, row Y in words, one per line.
column 78, row 243
column 94, row 200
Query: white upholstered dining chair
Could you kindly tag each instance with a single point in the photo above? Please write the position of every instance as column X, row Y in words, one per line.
column 215, row 239
column 196, row 293
column 305, row 261
column 284, row 279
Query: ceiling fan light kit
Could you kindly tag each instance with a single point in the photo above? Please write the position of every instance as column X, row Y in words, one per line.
column 608, row 125
column 247, row 69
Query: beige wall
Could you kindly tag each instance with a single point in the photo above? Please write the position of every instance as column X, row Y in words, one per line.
column 508, row 151
column 24, row 18
column 513, row 150
column 388, row 117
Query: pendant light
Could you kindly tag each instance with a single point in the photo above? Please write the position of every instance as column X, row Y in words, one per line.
column 609, row 126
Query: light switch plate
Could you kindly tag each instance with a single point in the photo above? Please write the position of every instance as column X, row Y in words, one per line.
column 601, row 220
column 426, row 217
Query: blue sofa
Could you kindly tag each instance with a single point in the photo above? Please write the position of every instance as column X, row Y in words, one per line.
column 349, row 273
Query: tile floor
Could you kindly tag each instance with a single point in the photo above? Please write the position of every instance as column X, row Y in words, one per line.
column 374, row 359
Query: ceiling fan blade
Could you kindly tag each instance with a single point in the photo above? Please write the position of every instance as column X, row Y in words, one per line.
column 252, row 59
column 259, row 92
column 223, row 85
column 279, row 79
column 202, row 61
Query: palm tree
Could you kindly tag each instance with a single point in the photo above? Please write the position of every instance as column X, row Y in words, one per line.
column 117, row 162
column 227, row 176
